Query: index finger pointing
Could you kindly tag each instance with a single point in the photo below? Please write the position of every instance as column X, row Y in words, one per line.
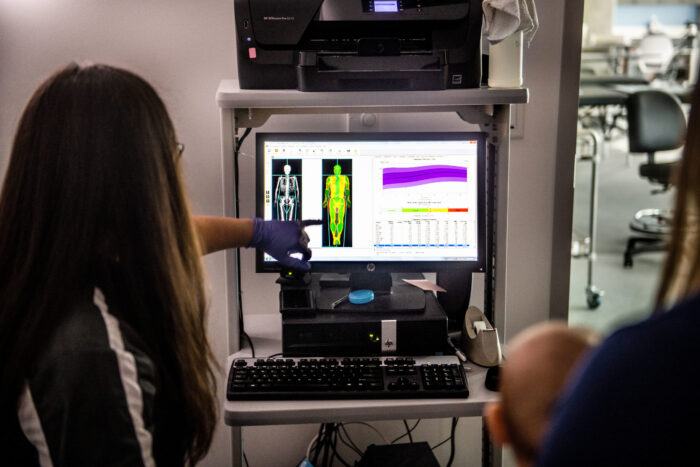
column 308, row 222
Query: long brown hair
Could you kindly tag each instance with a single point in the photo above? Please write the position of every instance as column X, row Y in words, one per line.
column 681, row 273
column 94, row 185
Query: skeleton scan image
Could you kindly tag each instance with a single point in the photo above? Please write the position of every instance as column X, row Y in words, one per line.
column 286, row 196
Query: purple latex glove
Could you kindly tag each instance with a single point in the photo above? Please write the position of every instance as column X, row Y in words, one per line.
column 280, row 239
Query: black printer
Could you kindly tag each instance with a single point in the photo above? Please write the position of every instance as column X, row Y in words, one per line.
column 358, row 45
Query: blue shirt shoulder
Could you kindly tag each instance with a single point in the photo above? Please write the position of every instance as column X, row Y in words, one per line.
column 632, row 400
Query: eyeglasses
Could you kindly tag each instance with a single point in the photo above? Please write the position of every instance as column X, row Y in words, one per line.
column 180, row 149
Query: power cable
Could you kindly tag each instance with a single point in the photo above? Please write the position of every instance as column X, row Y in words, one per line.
column 452, row 442
column 451, row 439
column 381, row 435
column 335, row 451
column 349, row 443
column 409, row 431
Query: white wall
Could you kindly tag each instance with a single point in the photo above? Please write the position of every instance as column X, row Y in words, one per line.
column 184, row 48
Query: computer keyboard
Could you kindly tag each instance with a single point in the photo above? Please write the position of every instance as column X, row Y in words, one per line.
column 346, row 378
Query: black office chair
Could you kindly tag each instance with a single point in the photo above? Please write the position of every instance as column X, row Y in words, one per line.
column 656, row 122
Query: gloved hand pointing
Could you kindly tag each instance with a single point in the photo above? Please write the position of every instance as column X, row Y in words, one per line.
column 280, row 239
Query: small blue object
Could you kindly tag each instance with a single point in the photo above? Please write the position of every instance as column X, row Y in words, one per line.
column 361, row 296
column 305, row 463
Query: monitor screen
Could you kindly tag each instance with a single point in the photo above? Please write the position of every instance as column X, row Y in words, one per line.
column 391, row 202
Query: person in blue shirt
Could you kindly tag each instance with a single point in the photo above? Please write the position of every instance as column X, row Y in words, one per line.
column 104, row 356
column 635, row 402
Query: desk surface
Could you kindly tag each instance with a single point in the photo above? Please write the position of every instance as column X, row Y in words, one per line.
column 592, row 95
column 266, row 329
column 599, row 95
column 605, row 80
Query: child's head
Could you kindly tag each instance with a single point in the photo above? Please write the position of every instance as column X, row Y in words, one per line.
column 538, row 363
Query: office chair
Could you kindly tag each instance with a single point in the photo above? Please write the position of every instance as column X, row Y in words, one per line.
column 656, row 52
column 656, row 122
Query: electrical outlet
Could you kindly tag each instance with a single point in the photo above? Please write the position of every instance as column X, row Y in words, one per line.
column 363, row 122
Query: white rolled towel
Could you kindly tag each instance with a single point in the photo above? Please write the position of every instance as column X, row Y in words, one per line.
column 503, row 18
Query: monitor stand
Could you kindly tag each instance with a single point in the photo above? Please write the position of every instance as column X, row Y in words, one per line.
column 391, row 293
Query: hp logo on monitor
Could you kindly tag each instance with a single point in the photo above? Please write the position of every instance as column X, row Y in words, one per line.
column 370, row 267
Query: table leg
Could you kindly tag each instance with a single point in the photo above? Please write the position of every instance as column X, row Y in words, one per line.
column 237, row 446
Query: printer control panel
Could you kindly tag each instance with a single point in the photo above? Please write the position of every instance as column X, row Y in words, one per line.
column 395, row 6
column 382, row 6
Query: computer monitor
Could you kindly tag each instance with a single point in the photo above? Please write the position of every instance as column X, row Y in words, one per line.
column 389, row 202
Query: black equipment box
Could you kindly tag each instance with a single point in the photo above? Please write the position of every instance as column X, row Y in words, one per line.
column 408, row 321
column 358, row 45
column 399, row 455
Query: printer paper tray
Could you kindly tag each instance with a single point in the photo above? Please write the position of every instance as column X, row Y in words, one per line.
column 378, row 63
column 376, row 73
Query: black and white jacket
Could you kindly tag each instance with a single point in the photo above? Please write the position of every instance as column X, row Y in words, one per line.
column 90, row 400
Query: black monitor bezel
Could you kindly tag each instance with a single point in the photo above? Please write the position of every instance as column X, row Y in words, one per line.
column 262, row 266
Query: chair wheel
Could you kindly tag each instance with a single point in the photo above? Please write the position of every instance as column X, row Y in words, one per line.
column 593, row 301
column 593, row 295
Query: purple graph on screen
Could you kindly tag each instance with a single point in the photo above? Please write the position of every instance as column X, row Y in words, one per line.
column 421, row 175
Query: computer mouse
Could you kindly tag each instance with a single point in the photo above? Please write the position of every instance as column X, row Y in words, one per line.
column 492, row 378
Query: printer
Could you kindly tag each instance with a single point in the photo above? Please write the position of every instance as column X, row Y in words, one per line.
column 358, row 45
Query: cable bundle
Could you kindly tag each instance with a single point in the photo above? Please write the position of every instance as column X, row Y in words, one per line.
column 323, row 448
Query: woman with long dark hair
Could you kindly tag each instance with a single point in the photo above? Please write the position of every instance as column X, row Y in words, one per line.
column 104, row 357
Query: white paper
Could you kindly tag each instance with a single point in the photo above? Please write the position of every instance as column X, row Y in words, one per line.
column 425, row 285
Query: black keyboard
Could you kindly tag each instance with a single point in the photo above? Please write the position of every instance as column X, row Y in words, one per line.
column 346, row 378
